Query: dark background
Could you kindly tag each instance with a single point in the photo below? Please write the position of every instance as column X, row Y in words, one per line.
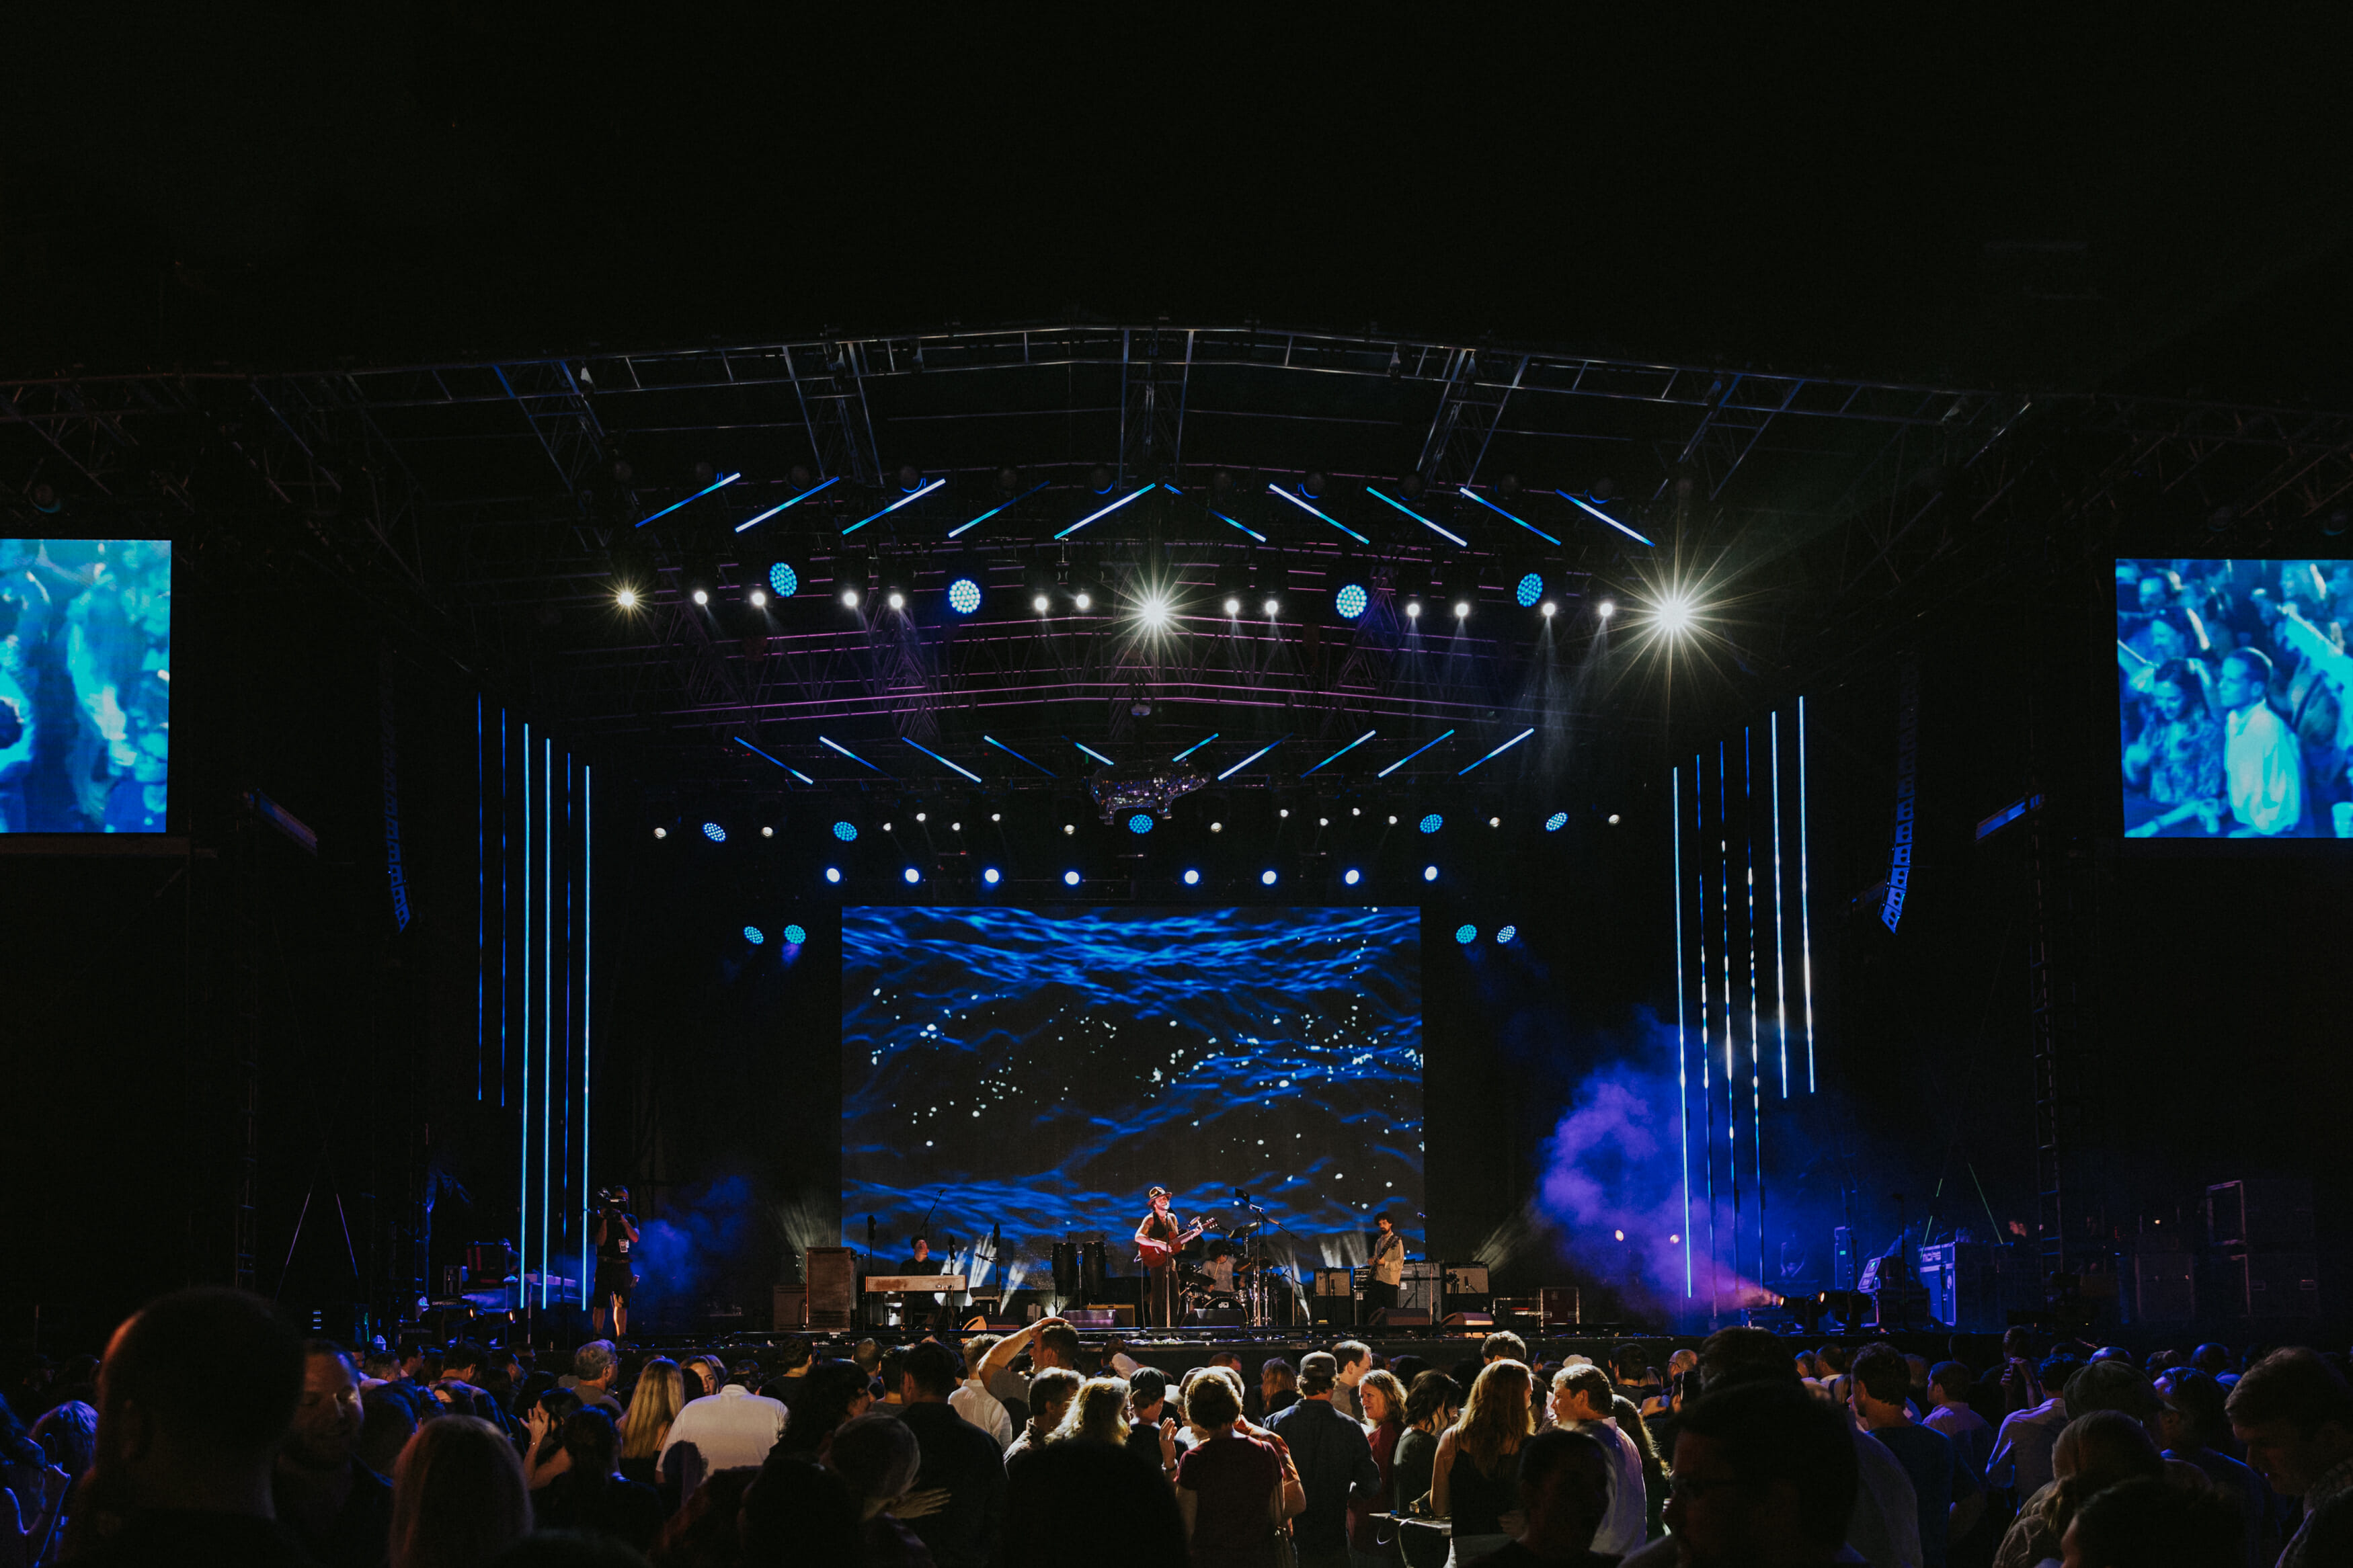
column 2016, row 201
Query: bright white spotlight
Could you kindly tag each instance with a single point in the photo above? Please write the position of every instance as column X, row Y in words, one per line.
column 1351, row 876
column 833, row 873
column 850, row 598
column 995, row 816
column 1069, row 878
column 701, row 596
column 897, row 600
column 1041, row 604
column 1273, row 606
column 1413, row 609
column 1266, row 878
column 1084, row 601
column 1323, row 822
column 767, row 832
column 1217, row 827
column 759, row 599
column 1494, row 822
column 1233, row 605
column 923, row 817
column 661, row 833
column 627, row 598
column 1613, row 819
column 886, row 827
column 1430, row 873
column 1605, row 610
column 1674, row 615
column 991, row 876
column 956, row 828
column 1284, row 813
column 1153, row 613
column 1461, row 609
column 1550, row 609
column 913, row 876
column 1068, row 828
column 1192, row 879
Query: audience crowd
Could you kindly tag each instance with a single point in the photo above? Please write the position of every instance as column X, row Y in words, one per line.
column 211, row 1433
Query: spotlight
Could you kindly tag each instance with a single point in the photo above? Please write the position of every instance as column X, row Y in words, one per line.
column 754, row 936
column 1069, row 878
column 1233, row 605
column 992, row 875
column 1192, row 879
column 913, row 876
column 956, row 828
column 716, row 833
column 833, row 873
column 963, row 595
column 661, row 833
column 1550, row 609
column 1041, row 604
column 886, row 827
column 1508, row 934
column 1494, row 822
column 1393, row 819
column 1351, row 876
column 627, row 598
column 794, row 936
column 1555, row 822
column 1674, row 615
column 1284, row 813
column 783, row 580
column 1432, row 823
column 844, row 831
column 1154, row 612
column 1618, row 1234
column 757, row 598
column 701, row 596
column 1140, row 823
column 1466, row 935
column 1430, row 873
column 1413, row 610
column 1083, row 600
column 1274, row 608
column 1356, row 811
column 850, row 598
column 1323, row 822
column 1350, row 601
column 1267, row 876
column 1530, row 589
column 995, row 816
column 1605, row 610
column 767, row 832
column 1461, row 609
column 897, row 600
column 1217, row 827
column 1068, row 828
column 1613, row 819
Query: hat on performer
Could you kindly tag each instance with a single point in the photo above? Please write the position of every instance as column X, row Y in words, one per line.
column 1158, row 1193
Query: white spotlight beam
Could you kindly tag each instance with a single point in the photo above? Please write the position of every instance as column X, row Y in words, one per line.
column 911, row 495
column 1416, row 516
column 1301, row 502
column 1105, row 512
column 721, row 484
column 1597, row 512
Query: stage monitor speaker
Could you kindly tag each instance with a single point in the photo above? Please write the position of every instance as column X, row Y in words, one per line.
column 791, row 1308
column 1118, row 1317
column 1333, row 1312
column 1334, row 1282
column 1470, row 1321
column 1466, row 1279
column 832, row 1286
column 1214, row 1318
column 1563, row 1306
column 1400, row 1318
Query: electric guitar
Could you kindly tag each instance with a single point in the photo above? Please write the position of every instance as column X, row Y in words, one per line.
column 1152, row 1253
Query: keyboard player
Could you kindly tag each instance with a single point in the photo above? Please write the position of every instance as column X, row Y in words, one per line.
column 922, row 1314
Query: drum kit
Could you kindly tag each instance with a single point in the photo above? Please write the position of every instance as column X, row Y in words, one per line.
column 1248, row 1280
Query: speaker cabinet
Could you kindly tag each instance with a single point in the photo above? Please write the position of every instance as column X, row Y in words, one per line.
column 832, row 1286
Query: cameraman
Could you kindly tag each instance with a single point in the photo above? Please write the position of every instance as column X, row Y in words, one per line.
column 615, row 1232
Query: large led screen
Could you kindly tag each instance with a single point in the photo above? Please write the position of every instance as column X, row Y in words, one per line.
column 1038, row 1070
column 85, row 685
column 2236, row 699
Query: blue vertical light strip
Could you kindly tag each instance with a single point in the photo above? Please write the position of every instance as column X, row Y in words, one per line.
column 1706, row 1063
column 523, row 1227
column 587, row 995
column 1731, row 1045
column 546, row 1000
column 1805, row 919
column 482, row 898
column 561, row 851
column 1683, row 1065
column 1756, row 1072
column 1780, row 955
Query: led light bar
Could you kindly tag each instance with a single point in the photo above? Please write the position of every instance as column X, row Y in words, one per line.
column 1253, row 532
column 753, row 521
column 1499, row 511
column 1505, row 747
column 929, row 486
column 1193, row 748
column 937, row 758
column 853, row 756
column 1409, row 756
column 1104, row 511
column 1014, row 754
column 992, row 511
column 1095, row 754
column 787, row 766
column 1249, row 759
column 1301, row 502
column 1416, row 516
column 1345, row 749
column 1588, row 506
column 719, row 485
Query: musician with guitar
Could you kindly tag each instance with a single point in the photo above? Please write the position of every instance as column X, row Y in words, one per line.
column 1156, row 1241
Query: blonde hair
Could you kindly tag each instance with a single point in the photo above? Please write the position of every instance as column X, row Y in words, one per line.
column 1498, row 1417
column 1098, row 1412
column 653, row 1405
column 1392, row 1395
column 458, row 1496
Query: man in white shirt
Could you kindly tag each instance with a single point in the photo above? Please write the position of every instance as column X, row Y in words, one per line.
column 721, row 1431
column 1355, row 1359
column 1581, row 1401
column 2262, row 765
column 2022, row 1447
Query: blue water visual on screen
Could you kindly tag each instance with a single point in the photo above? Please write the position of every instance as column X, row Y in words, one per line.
column 1040, row 1069
column 85, row 685
column 2235, row 699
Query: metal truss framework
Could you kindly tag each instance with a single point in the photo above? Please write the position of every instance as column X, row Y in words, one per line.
column 496, row 501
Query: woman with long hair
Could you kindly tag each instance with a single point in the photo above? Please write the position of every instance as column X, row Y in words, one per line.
column 2105, row 1448
column 654, row 1404
column 1097, row 1414
column 1475, row 1477
column 1382, row 1398
column 831, row 1392
column 1431, row 1407
column 543, row 1455
column 1278, row 1386
column 458, row 1496
column 2178, row 760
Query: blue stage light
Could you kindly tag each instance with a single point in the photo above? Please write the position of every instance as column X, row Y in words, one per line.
column 844, row 831
column 1069, row 878
column 783, row 580
column 913, row 876
column 754, row 936
column 1192, row 879
column 1430, row 873
column 992, row 875
column 1266, row 878
column 1432, row 823
column 1530, row 590
column 1466, row 934
column 794, row 936
column 716, row 833
column 1352, row 876
column 1508, row 934
column 833, row 873
column 1555, row 822
column 963, row 595
column 1350, row 601
column 1140, row 823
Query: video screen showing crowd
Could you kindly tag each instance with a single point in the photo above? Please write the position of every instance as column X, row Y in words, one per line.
column 85, row 685
column 2235, row 699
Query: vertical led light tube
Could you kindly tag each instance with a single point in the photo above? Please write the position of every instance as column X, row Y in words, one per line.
column 481, row 897
column 1805, row 921
column 587, row 995
column 1780, row 963
column 546, row 997
column 523, row 1227
column 571, row 957
column 1756, row 1072
column 1706, row 1066
column 1724, row 933
column 506, row 895
column 1683, row 1069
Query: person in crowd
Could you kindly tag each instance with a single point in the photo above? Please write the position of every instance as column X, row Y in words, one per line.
column 1656, row 1482
column 1582, row 1402
column 1355, row 1359
column 32, row 1493
column 991, row 1390
column 1383, row 1399
column 1834, row 1386
column 1093, row 1502
column 1333, row 1458
column 1945, row 1492
column 1767, row 1476
column 544, row 1457
column 1432, row 1406
column 592, row 1495
column 957, row 1458
column 2186, row 1430
column 2147, row 1524
column 1475, row 1475
column 458, row 1496
column 2262, row 767
column 654, row 1404
column 831, row 1392
column 386, row 1423
column 719, row 1431
column 2293, row 1412
column 705, row 1376
column 1233, row 1492
column 1051, row 1393
column 1096, row 1413
column 887, row 1373
column 1661, row 1423
column 2178, row 759
column 2022, row 1444
column 2021, row 1388
column 1278, row 1388
column 1564, row 1493
column 879, row 1458
column 2094, row 1452
column 184, row 1463
column 797, row 1513
column 1051, row 1344
column 1147, row 1401
column 707, row 1530
column 1632, row 1372
column 1951, row 1386
column 339, row 1509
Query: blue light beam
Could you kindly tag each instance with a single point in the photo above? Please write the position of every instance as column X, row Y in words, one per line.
column 1302, row 503
column 1505, row 747
column 719, row 485
column 1409, row 756
column 780, row 506
column 1015, row 755
column 787, row 766
column 1597, row 512
column 1000, row 506
column 1253, row 532
column 1249, row 759
column 1345, row 749
column 1193, row 748
column 943, row 762
column 911, row 495
column 1104, row 511
column 1095, row 754
column 1499, row 511
column 1425, row 522
column 853, row 756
